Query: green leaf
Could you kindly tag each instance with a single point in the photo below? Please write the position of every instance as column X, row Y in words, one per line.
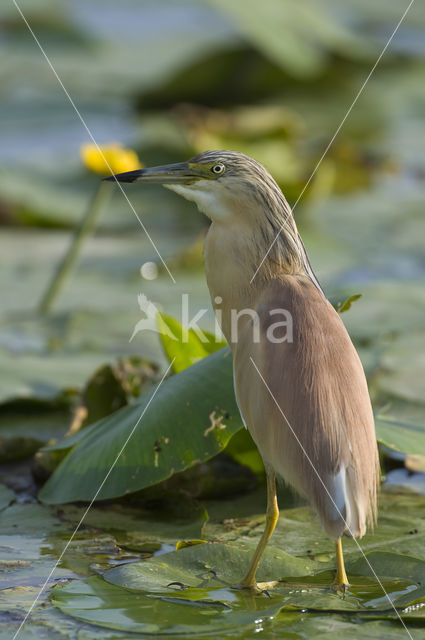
column 345, row 304
column 283, row 31
column 113, row 385
column 386, row 564
column 224, row 563
column 403, row 367
column 189, row 418
column 400, row 435
column 106, row 605
column 192, row 591
column 400, row 528
column 141, row 529
column 243, row 449
column 185, row 347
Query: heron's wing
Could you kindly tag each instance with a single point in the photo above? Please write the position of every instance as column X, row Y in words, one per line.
column 303, row 393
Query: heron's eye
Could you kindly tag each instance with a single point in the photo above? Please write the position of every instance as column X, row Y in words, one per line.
column 218, row 168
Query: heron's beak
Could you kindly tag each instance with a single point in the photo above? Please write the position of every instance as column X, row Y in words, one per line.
column 179, row 173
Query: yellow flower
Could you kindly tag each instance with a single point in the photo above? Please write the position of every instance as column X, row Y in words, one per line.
column 112, row 157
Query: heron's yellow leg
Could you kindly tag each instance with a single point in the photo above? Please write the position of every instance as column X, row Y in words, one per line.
column 272, row 517
column 341, row 580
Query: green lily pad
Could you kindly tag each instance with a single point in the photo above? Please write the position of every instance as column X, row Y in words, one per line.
column 33, row 536
column 101, row 603
column 400, row 435
column 139, row 528
column 326, row 627
column 400, row 528
column 190, row 592
column 22, row 561
column 386, row 564
column 209, row 563
column 404, row 368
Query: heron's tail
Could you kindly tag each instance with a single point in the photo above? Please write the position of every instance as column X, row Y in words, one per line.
column 339, row 511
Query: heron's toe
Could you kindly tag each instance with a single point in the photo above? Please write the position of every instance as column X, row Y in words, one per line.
column 340, row 587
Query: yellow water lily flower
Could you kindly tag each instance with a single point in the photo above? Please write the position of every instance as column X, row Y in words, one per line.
column 111, row 158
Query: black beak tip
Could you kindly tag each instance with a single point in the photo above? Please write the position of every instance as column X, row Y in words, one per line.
column 128, row 176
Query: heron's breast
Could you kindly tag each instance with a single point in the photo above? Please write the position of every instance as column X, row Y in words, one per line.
column 227, row 267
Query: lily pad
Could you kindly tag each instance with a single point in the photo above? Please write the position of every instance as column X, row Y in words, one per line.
column 142, row 528
column 404, row 368
column 101, row 603
column 190, row 592
column 400, row 435
column 400, row 528
column 212, row 564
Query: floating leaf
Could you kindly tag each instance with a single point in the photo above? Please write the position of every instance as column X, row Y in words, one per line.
column 393, row 565
column 106, row 605
column 212, row 564
column 143, row 529
column 190, row 592
column 400, row 435
column 403, row 366
column 400, row 528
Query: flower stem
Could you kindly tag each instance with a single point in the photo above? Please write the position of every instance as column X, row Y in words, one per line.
column 83, row 231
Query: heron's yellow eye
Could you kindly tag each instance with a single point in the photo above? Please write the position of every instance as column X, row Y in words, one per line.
column 218, row 168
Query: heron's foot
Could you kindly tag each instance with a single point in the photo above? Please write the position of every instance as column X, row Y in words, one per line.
column 340, row 587
column 258, row 587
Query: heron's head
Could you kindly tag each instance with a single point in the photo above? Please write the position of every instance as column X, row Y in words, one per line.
column 236, row 191
column 226, row 185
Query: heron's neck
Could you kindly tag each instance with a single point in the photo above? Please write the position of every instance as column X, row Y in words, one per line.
column 239, row 263
column 230, row 262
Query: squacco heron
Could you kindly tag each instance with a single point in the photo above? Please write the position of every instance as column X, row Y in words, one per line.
column 304, row 400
